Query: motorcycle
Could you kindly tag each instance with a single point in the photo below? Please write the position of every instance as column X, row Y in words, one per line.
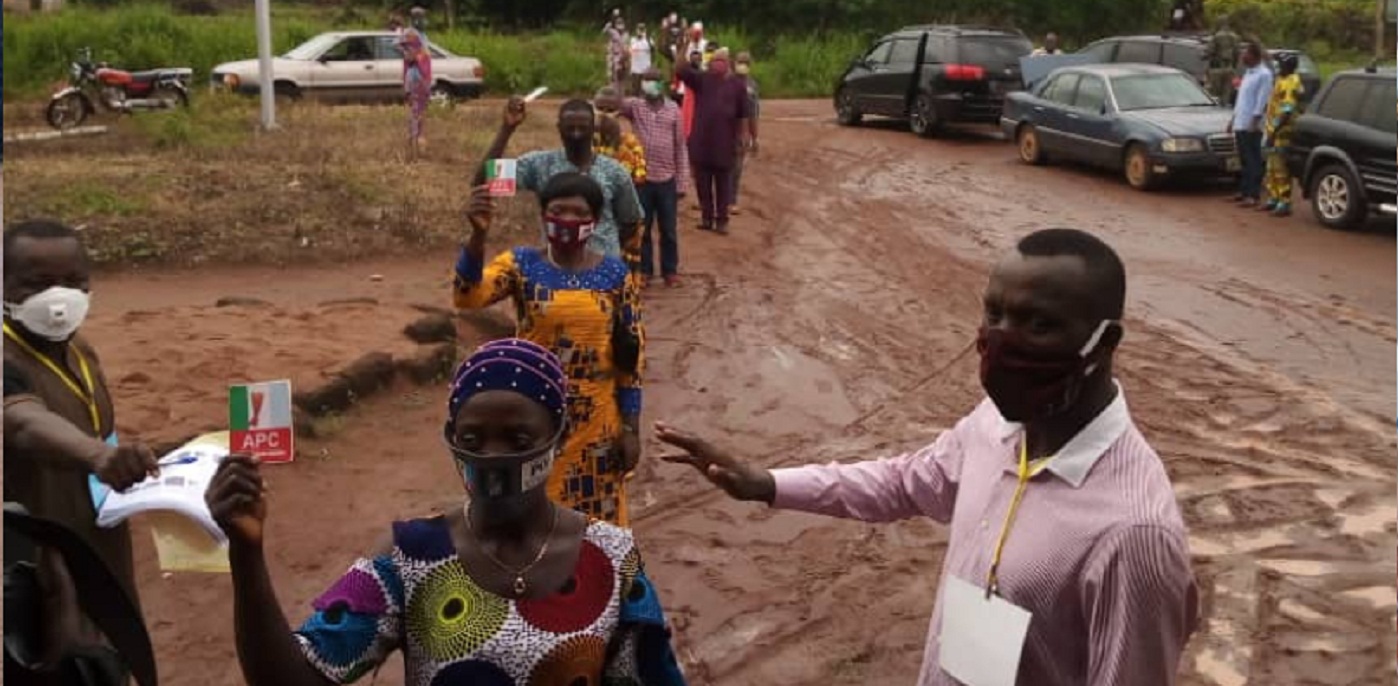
column 90, row 84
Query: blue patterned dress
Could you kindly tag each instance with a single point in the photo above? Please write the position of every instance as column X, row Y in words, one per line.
column 604, row 628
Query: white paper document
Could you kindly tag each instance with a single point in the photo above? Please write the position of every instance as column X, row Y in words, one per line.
column 185, row 474
column 982, row 638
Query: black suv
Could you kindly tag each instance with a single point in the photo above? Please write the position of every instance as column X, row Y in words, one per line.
column 933, row 75
column 1185, row 52
column 1344, row 148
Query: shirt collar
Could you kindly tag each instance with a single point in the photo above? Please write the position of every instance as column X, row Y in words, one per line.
column 1080, row 454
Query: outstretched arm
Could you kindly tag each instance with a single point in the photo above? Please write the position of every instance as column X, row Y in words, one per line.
column 920, row 483
column 514, row 116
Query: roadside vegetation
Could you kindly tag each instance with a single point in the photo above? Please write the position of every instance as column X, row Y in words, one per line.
column 790, row 63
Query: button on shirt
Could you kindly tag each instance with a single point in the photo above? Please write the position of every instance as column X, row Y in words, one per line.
column 1253, row 93
column 1098, row 552
column 622, row 206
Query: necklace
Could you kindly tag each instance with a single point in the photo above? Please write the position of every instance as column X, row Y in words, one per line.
column 519, row 586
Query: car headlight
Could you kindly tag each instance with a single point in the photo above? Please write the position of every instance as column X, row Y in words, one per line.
column 1182, row 145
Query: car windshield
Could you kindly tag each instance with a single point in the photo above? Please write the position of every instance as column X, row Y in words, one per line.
column 1155, row 91
column 312, row 48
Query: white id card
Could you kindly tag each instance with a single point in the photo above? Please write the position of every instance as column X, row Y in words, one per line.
column 982, row 638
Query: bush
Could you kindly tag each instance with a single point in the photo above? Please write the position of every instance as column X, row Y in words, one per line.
column 1326, row 29
column 39, row 47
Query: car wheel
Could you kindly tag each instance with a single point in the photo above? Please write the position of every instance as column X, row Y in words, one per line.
column 846, row 112
column 923, row 117
column 286, row 91
column 442, row 94
column 1031, row 150
column 1138, row 171
column 1336, row 197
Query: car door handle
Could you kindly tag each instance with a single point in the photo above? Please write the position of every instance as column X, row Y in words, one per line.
column 367, row 67
column 1073, row 116
column 1038, row 109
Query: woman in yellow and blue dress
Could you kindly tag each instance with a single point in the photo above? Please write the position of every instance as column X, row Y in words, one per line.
column 582, row 306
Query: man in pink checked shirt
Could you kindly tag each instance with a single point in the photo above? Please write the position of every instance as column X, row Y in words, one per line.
column 657, row 122
column 1068, row 561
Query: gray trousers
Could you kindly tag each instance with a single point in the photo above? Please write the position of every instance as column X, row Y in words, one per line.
column 738, row 160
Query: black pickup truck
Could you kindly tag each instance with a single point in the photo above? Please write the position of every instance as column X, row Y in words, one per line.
column 1345, row 148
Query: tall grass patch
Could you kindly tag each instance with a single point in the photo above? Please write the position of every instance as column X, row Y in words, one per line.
column 38, row 48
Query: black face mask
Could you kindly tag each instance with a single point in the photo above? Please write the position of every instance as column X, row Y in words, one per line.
column 506, row 485
column 1027, row 383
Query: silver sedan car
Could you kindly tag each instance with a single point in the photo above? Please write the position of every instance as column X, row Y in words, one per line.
column 353, row 66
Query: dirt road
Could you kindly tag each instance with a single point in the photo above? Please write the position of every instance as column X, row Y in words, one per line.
column 837, row 322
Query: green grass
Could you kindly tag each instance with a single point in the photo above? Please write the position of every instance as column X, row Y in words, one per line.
column 212, row 121
column 88, row 199
column 39, row 47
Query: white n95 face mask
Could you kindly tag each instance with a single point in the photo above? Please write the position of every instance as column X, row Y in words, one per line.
column 54, row 314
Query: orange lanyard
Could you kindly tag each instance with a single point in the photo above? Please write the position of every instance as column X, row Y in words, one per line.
column 1027, row 471
column 88, row 395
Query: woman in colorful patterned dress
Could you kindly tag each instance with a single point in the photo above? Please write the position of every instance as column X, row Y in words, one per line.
column 584, row 307
column 509, row 589
column 417, row 77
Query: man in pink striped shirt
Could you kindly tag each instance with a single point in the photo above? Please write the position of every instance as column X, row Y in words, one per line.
column 658, row 124
column 1049, row 470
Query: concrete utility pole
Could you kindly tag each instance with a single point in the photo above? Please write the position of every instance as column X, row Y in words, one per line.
column 266, row 86
column 1383, row 15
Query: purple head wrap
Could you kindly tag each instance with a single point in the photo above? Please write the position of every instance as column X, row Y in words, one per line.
column 510, row 364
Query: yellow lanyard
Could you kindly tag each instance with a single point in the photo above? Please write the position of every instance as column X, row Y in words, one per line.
column 88, row 395
column 1027, row 471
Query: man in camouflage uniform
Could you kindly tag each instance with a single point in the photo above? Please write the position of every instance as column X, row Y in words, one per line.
column 1222, row 55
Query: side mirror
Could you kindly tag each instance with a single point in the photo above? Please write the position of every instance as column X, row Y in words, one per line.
column 1104, row 109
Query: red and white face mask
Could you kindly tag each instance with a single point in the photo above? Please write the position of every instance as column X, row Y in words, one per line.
column 568, row 235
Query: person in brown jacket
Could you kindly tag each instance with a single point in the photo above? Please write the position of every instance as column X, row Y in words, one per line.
column 61, row 452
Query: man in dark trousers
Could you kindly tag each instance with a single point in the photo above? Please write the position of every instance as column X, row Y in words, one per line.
column 720, row 126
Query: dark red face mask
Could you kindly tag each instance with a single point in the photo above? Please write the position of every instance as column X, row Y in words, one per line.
column 568, row 235
column 1027, row 382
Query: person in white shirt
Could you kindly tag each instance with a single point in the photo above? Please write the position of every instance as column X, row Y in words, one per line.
column 1050, row 46
column 642, row 54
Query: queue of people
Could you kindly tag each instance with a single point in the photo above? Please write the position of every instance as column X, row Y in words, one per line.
column 1084, row 578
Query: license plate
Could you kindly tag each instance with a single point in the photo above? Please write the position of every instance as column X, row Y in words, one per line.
column 1232, row 164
